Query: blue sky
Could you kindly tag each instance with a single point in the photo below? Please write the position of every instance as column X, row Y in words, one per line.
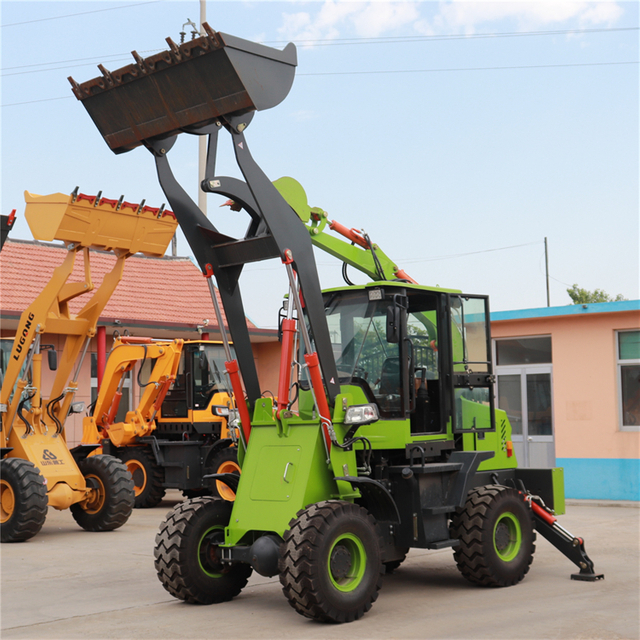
column 457, row 134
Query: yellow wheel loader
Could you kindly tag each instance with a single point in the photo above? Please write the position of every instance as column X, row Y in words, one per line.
column 37, row 468
column 177, row 434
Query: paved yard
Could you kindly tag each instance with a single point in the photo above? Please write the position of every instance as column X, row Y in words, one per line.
column 68, row 583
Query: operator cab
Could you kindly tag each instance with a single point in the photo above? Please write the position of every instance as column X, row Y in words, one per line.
column 399, row 342
column 200, row 374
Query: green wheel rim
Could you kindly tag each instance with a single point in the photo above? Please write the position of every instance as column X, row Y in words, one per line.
column 206, row 552
column 507, row 536
column 347, row 562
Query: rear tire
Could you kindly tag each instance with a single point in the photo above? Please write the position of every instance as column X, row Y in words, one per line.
column 496, row 535
column 111, row 499
column 148, row 476
column 23, row 500
column 330, row 562
column 186, row 553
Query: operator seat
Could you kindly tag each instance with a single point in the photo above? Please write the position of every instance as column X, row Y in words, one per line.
column 390, row 377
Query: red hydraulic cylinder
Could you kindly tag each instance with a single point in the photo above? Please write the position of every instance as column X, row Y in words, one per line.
column 542, row 513
column 113, row 410
column 403, row 275
column 101, row 338
column 238, row 393
column 321, row 399
column 286, row 354
column 350, row 234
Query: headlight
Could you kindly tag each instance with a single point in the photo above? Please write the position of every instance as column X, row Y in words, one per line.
column 361, row 414
column 220, row 410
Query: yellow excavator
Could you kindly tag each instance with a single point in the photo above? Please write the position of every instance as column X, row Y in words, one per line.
column 177, row 434
column 37, row 468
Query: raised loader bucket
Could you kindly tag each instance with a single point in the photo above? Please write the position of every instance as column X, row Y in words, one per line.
column 100, row 223
column 187, row 87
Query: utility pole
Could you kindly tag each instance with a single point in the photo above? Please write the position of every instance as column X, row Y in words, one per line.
column 546, row 268
column 202, row 140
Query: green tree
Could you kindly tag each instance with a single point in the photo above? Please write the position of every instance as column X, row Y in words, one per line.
column 583, row 296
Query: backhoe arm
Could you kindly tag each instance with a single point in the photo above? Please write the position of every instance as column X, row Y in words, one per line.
column 356, row 249
column 127, row 352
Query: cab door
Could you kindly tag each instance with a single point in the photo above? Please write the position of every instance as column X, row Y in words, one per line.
column 471, row 364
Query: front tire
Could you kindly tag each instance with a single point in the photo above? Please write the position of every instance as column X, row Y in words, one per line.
column 148, row 476
column 186, row 553
column 23, row 500
column 330, row 562
column 496, row 535
column 112, row 496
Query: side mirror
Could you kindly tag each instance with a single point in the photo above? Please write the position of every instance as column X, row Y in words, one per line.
column 393, row 324
column 204, row 363
column 52, row 357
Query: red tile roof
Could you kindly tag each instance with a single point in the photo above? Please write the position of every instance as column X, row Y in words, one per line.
column 162, row 290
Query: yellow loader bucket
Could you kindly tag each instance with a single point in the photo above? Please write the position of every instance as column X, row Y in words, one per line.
column 100, row 223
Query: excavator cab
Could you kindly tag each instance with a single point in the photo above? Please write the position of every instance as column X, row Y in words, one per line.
column 392, row 343
column 199, row 378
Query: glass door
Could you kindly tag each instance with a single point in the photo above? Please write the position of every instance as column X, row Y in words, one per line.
column 525, row 393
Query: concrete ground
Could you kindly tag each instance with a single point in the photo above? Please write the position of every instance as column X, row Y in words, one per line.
column 68, row 583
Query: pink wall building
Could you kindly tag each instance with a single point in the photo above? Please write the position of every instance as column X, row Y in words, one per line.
column 569, row 379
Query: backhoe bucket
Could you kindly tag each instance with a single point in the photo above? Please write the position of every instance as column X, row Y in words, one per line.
column 100, row 223
column 187, row 87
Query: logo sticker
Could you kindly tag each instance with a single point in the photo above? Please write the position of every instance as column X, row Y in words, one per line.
column 49, row 458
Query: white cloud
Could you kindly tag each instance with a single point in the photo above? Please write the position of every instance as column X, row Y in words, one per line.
column 379, row 17
column 468, row 15
column 332, row 19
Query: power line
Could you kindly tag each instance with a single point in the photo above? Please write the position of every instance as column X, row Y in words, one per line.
column 436, row 38
column 344, row 73
column 435, row 259
column 470, row 253
column 83, row 13
column 355, row 41
column 115, row 58
column 531, row 66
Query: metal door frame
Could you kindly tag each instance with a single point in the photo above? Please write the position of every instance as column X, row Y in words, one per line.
column 523, row 370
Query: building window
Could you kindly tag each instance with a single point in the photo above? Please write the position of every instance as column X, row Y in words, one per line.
column 628, row 347
column 510, row 351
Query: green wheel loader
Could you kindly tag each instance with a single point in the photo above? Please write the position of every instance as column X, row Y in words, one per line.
column 384, row 435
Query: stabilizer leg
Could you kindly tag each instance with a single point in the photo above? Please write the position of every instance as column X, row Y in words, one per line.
column 571, row 546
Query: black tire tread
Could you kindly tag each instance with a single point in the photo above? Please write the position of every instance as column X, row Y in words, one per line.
column 171, row 555
column 468, row 527
column 154, row 490
column 31, row 500
column 301, row 541
column 120, row 496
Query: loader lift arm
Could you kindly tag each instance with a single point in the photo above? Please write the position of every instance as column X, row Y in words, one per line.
column 274, row 229
column 234, row 71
